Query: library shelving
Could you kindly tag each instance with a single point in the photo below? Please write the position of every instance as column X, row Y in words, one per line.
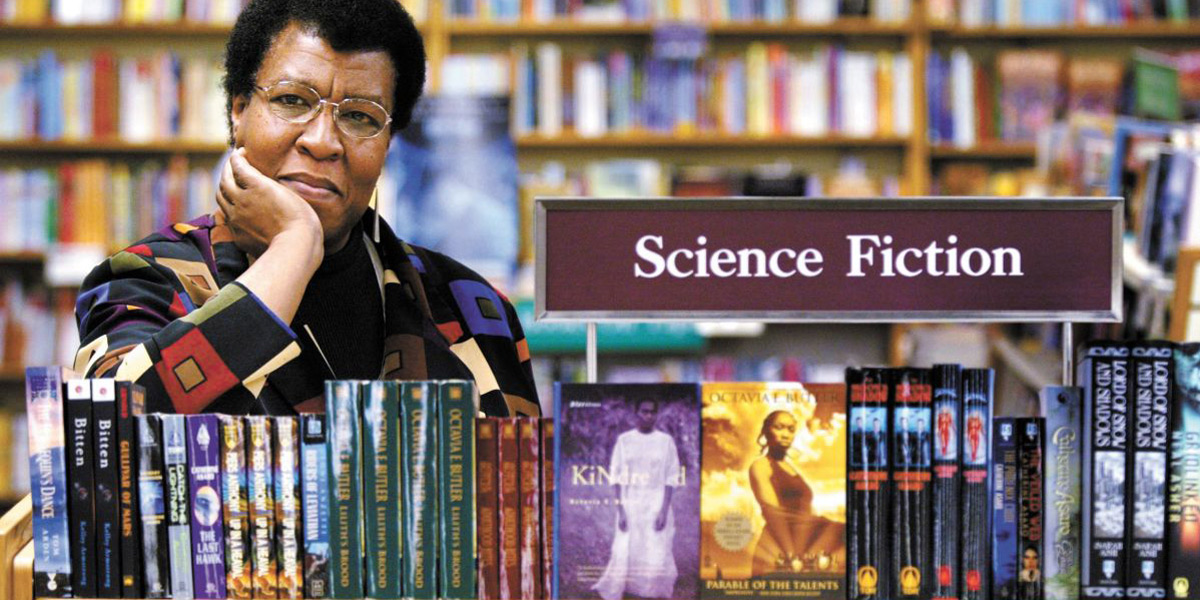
column 985, row 151
column 111, row 147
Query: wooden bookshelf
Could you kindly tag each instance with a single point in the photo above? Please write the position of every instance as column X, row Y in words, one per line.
column 12, row 375
column 1145, row 30
column 752, row 29
column 991, row 150
column 654, row 141
column 180, row 29
column 38, row 147
column 19, row 258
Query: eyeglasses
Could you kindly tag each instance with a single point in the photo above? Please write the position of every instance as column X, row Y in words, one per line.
column 297, row 103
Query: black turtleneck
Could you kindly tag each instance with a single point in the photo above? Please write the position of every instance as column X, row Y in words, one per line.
column 343, row 308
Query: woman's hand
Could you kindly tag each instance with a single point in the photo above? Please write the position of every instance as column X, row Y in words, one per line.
column 259, row 209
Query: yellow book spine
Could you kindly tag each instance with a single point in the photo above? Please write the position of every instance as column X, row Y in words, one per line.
column 758, row 109
column 886, row 85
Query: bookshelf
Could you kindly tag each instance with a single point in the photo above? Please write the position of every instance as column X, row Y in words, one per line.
column 112, row 147
column 704, row 140
column 985, row 151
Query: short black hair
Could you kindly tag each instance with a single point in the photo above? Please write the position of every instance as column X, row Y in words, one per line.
column 347, row 25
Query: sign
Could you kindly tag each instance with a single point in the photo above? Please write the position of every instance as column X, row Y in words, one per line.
column 864, row 260
column 571, row 338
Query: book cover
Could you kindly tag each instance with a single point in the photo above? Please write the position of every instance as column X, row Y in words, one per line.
column 345, row 490
column 48, row 475
column 1004, row 508
column 910, row 396
column 977, row 392
column 264, row 566
column 382, row 477
column 418, row 457
column 285, row 451
column 108, row 490
column 947, row 481
column 131, row 402
column 179, row 528
column 773, row 490
column 81, row 476
column 529, row 450
column 1183, row 509
column 152, row 508
column 487, row 502
column 456, row 480
column 1149, row 429
column 204, row 491
column 1104, row 377
column 314, row 465
column 867, row 485
column 1030, row 495
column 508, row 520
column 1063, row 482
column 548, row 482
column 235, row 509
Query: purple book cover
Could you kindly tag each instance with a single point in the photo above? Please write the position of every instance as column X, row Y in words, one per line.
column 627, row 495
column 208, row 540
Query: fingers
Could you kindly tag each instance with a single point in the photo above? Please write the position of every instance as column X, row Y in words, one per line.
column 227, row 187
column 244, row 173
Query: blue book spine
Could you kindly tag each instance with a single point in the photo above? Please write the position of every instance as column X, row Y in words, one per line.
column 345, row 489
column 208, row 539
column 314, row 481
column 48, row 480
column 1004, row 509
column 418, row 405
column 175, row 462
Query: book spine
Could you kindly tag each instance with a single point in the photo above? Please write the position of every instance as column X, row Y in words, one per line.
column 947, row 480
column 345, row 491
column 456, row 475
column 1030, row 547
column 1063, row 479
column 235, row 508
column 487, row 507
column 418, row 458
column 286, row 438
column 108, row 490
column 179, row 529
column 867, row 488
column 314, row 464
column 130, row 404
column 156, row 563
column 1149, row 429
column 381, row 482
column 509, row 503
column 1004, row 509
column 264, row 567
column 1105, row 379
column 976, row 484
column 204, row 486
column 48, row 477
column 529, row 449
column 1183, row 510
column 911, row 439
column 547, row 505
column 80, row 474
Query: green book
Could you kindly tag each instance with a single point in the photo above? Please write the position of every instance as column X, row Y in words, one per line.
column 419, row 463
column 381, row 483
column 456, row 474
column 345, row 503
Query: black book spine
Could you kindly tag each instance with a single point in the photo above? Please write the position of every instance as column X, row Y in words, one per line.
column 867, row 489
column 976, row 449
column 1004, row 508
column 947, row 481
column 81, row 487
column 1149, row 432
column 156, row 565
column 108, row 490
column 1031, row 433
column 912, row 504
column 1104, row 376
column 130, row 404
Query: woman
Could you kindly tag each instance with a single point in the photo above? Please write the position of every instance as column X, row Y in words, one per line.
column 294, row 280
column 793, row 540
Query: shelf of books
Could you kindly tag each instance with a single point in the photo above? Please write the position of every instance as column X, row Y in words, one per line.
column 1135, row 31
column 642, row 141
column 181, row 29
column 844, row 27
column 112, row 147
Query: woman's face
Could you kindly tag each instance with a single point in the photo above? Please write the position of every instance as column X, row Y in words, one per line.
column 781, row 431
column 334, row 172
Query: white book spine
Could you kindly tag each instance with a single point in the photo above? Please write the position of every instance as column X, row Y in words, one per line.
column 590, row 99
column 902, row 94
column 549, row 89
column 962, row 77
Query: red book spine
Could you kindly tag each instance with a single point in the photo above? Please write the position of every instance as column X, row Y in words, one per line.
column 104, row 100
column 547, row 505
column 531, row 506
column 66, row 203
column 509, row 515
column 487, row 501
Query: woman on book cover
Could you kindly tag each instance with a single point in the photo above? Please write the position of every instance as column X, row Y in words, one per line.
column 295, row 280
column 794, row 540
column 645, row 470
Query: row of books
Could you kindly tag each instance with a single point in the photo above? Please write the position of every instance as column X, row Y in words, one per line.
column 1060, row 13
column 706, row 11
column 98, row 202
column 37, row 325
column 135, row 99
column 79, row 12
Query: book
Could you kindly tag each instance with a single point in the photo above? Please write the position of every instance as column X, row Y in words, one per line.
column 947, row 481
column 235, row 508
column 1183, row 491
column 264, row 566
column 1061, row 406
column 1004, row 508
column 382, row 512
column 910, row 396
column 179, row 529
column 108, row 490
column 81, row 476
column 345, row 489
column 456, row 480
column 204, row 491
column 487, row 507
column 1151, row 381
column 529, row 449
column 285, row 437
column 508, row 519
column 976, row 448
column 1030, row 506
column 418, row 462
column 867, row 485
column 152, row 505
column 769, row 448
column 626, row 452
column 131, row 402
column 48, row 470
column 548, row 485
column 314, row 481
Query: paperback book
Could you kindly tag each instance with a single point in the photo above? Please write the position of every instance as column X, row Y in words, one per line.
column 179, row 530
column 947, row 482
column 314, row 464
column 286, row 438
column 152, row 497
column 1151, row 381
column 912, row 503
column 48, row 473
column 204, row 489
column 976, row 483
column 1004, row 508
column 235, row 508
column 80, row 474
column 1183, row 508
column 1063, row 479
column 1030, row 507
column 867, row 485
column 108, row 490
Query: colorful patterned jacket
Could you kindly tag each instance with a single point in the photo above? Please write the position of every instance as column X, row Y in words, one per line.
column 167, row 313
